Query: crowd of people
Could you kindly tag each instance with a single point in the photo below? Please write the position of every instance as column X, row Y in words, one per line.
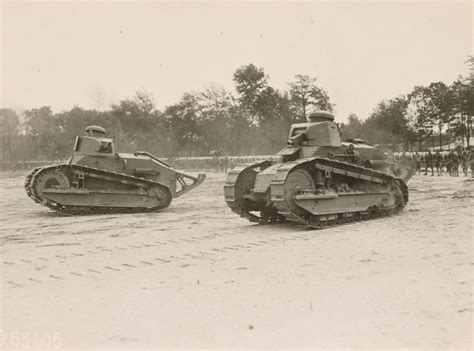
column 443, row 161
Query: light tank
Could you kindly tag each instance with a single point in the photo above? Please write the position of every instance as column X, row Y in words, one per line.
column 401, row 166
column 97, row 179
column 319, row 180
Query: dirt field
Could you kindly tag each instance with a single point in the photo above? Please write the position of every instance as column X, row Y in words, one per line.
column 197, row 276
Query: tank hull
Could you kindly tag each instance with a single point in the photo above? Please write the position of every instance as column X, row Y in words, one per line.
column 77, row 189
column 315, row 192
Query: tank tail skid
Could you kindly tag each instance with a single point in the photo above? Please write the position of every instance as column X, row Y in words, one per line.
column 404, row 169
column 185, row 186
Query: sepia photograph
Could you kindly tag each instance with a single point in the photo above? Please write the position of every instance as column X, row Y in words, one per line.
column 236, row 175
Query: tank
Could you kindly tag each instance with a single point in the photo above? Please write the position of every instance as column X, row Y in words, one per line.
column 399, row 164
column 97, row 179
column 318, row 181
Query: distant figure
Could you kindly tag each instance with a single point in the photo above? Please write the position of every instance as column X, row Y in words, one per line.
column 216, row 155
column 429, row 163
column 459, row 149
column 226, row 163
column 438, row 158
column 471, row 161
column 417, row 158
column 465, row 161
column 448, row 163
column 454, row 163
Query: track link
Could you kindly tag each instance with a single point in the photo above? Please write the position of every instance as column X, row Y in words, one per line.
column 28, row 184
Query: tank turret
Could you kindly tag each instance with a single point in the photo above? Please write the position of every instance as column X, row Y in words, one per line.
column 95, row 131
column 320, row 116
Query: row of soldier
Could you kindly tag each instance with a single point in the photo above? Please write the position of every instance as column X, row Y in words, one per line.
column 450, row 160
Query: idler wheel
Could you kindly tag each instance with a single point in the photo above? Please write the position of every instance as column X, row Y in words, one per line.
column 53, row 179
column 244, row 186
column 297, row 181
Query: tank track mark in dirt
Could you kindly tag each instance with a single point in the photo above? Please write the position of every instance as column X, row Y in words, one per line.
column 384, row 183
column 239, row 182
column 142, row 188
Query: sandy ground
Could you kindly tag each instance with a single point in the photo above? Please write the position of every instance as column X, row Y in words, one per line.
column 198, row 276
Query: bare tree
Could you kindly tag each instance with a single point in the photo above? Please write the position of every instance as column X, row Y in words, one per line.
column 99, row 98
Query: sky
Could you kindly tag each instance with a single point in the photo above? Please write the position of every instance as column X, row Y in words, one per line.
column 63, row 54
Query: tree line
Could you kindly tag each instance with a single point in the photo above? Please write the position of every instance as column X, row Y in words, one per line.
column 252, row 120
column 429, row 116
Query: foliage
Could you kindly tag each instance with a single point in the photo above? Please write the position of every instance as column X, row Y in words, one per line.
column 353, row 129
column 9, row 124
column 250, row 84
column 387, row 124
column 306, row 95
column 255, row 119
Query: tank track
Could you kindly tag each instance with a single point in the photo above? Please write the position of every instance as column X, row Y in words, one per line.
column 244, row 214
column 315, row 221
column 28, row 185
column 343, row 168
column 231, row 181
column 85, row 210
